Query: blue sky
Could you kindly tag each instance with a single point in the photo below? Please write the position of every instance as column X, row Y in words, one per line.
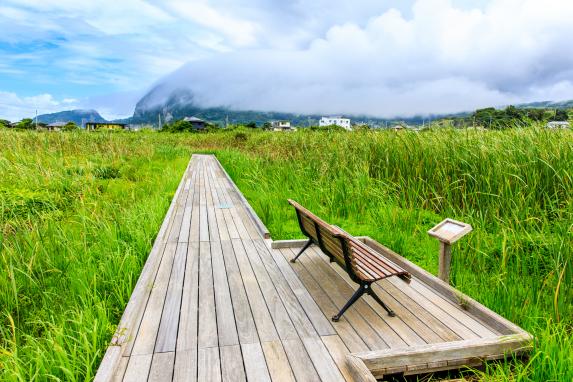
column 369, row 56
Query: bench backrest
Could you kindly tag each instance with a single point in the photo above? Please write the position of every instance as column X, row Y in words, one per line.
column 334, row 242
column 359, row 260
column 329, row 238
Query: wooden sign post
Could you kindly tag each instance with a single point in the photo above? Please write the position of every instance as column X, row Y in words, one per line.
column 448, row 232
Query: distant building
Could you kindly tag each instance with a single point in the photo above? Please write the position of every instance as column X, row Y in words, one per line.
column 56, row 126
column 558, row 125
column 105, row 126
column 282, row 126
column 335, row 121
column 196, row 123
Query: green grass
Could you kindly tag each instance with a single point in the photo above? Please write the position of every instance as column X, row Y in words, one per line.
column 514, row 187
column 79, row 212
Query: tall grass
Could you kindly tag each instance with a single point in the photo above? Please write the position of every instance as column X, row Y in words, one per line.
column 78, row 213
column 513, row 186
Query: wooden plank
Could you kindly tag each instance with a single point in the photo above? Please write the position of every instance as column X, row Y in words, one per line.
column 194, row 234
column 239, row 223
column 454, row 310
column 277, row 265
column 488, row 317
column 255, row 364
column 248, row 222
column 300, row 320
column 164, row 232
column 226, row 329
column 218, row 200
column 177, row 222
column 138, row 368
column 224, row 198
column 236, row 203
column 110, row 363
column 261, row 314
column 187, row 331
column 162, row 367
column 343, row 327
column 280, row 317
column 295, row 243
column 175, row 228
column 360, row 372
column 379, row 361
column 406, row 327
column 185, row 366
column 232, row 368
column 209, row 365
column 259, row 224
column 120, row 369
column 147, row 333
column 207, row 313
column 434, row 308
column 323, row 363
column 186, row 222
column 203, row 217
column 167, row 334
column 230, row 224
column 277, row 362
column 338, row 351
column 367, row 323
column 240, row 210
column 213, row 229
column 300, row 362
column 244, row 321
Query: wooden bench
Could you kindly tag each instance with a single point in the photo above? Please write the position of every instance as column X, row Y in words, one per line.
column 364, row 265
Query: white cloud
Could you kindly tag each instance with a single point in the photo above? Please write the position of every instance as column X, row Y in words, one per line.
column 329, row 56
column 443, row 58
column 14, row 107
column 240, row 32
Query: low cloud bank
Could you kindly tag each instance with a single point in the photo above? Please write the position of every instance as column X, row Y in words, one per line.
column 440, row 59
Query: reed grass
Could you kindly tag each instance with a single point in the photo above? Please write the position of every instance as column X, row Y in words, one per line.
column 513, row 186
column 79, row 212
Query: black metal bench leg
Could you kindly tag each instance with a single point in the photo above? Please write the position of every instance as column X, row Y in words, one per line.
column 379, row 301
column 308, row 243
column 359, row 292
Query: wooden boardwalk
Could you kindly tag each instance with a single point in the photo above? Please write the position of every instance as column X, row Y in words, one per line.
column 214, row 302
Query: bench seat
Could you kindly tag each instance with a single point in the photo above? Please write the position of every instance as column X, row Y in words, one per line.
column 363, row 264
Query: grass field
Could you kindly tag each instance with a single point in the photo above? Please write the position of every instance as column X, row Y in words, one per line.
column 78, row 214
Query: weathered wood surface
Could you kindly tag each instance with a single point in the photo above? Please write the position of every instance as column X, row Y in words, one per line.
column 214, row 302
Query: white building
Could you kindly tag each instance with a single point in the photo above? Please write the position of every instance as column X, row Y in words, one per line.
column 335, row 121
column 558, row 125
column 281, row 125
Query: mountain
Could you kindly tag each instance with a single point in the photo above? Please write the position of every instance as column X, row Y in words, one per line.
column 547, row 105
column 174, row 104
column 180, row 103
column 77, row 116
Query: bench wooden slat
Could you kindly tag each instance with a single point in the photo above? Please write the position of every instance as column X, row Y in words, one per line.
column 360, row 260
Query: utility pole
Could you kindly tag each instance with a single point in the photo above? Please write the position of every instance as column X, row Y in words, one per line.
column 159, row 118
column 36, row 119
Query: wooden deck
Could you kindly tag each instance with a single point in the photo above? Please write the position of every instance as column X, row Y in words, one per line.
column 218, row 301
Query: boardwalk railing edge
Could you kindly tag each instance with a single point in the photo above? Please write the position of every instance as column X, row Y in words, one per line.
column 252, row 214
column 138, row 298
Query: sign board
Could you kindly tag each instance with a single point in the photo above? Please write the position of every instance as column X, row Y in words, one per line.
column 450, row 230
